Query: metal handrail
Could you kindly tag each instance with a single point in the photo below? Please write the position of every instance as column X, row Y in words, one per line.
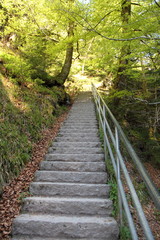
column 113, row 140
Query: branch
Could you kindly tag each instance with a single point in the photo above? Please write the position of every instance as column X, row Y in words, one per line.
column 145, row 101
column 107, row 14
column 122, row 39
column 78, row 56
column 137, row 4
column 92, row 29
column 156, row 3
column 41, row 30
column 154, row 103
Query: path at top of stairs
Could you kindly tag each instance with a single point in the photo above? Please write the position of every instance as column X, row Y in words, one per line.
column 69, row 192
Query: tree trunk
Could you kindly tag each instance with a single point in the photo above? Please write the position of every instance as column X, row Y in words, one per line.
column 62, row 76
column 121, row 78
column 5, row 20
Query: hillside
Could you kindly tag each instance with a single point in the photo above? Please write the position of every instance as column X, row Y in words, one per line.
column 25, row 110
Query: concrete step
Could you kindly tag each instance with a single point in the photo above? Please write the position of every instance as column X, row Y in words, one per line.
column 89, row 109
column 75, row 157
column 26, row 237
column 80, row 135
column 76, row 124
column 92, row 122
column 80, row 118
column 82, row 111
column 77, row 144
column 68, row 206
column 77, row 139
column 66, row 150
column 78, row 128
column 80, row 124
column 71, row 130
column 69, row 189
column 65, row 227
column 70, row 177
column 73, row 166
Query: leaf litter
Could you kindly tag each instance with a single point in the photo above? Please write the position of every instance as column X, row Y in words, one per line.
column 17, row 189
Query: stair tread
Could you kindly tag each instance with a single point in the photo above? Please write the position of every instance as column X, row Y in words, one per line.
column 73, row 166
column 70, row 172
column 74, row 157
column 68, row 176
column 64, row 218
column 46, row 238
column 69, row 199
column 66, row 226
column 72, row 184
column 69, row 189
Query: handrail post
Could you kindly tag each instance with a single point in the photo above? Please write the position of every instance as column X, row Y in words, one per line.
column 99, row 104
column 99, row 110
column 104, row 131
column 118, row 177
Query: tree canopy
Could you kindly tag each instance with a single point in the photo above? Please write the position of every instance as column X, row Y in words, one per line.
column 39, row 33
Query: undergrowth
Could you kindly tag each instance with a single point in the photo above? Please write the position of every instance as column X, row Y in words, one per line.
column 139, row 118
column 25, row 110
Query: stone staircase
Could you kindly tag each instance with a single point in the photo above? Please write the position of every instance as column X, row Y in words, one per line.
column 70, row 194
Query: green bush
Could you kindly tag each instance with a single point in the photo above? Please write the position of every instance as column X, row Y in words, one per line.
column 17, row 68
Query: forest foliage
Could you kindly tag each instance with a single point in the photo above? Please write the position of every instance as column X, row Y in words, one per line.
column 117, row 41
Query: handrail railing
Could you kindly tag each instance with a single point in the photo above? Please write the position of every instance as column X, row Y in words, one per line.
column 112, row 143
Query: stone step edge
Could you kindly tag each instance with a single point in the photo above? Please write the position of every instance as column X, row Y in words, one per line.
column 71, row 162
column 64, row 218
column 72, row 184
column 66, row 226
column 68, row 199
column 44, row 165
column 70, row 177
column 74, row 157
column 74, row 148
column 70, row 172
column 26, row 237
column 69, row 189
column 68, row 206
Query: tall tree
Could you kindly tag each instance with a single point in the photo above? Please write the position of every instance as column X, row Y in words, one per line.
column 121, row 78
column 62, row 76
